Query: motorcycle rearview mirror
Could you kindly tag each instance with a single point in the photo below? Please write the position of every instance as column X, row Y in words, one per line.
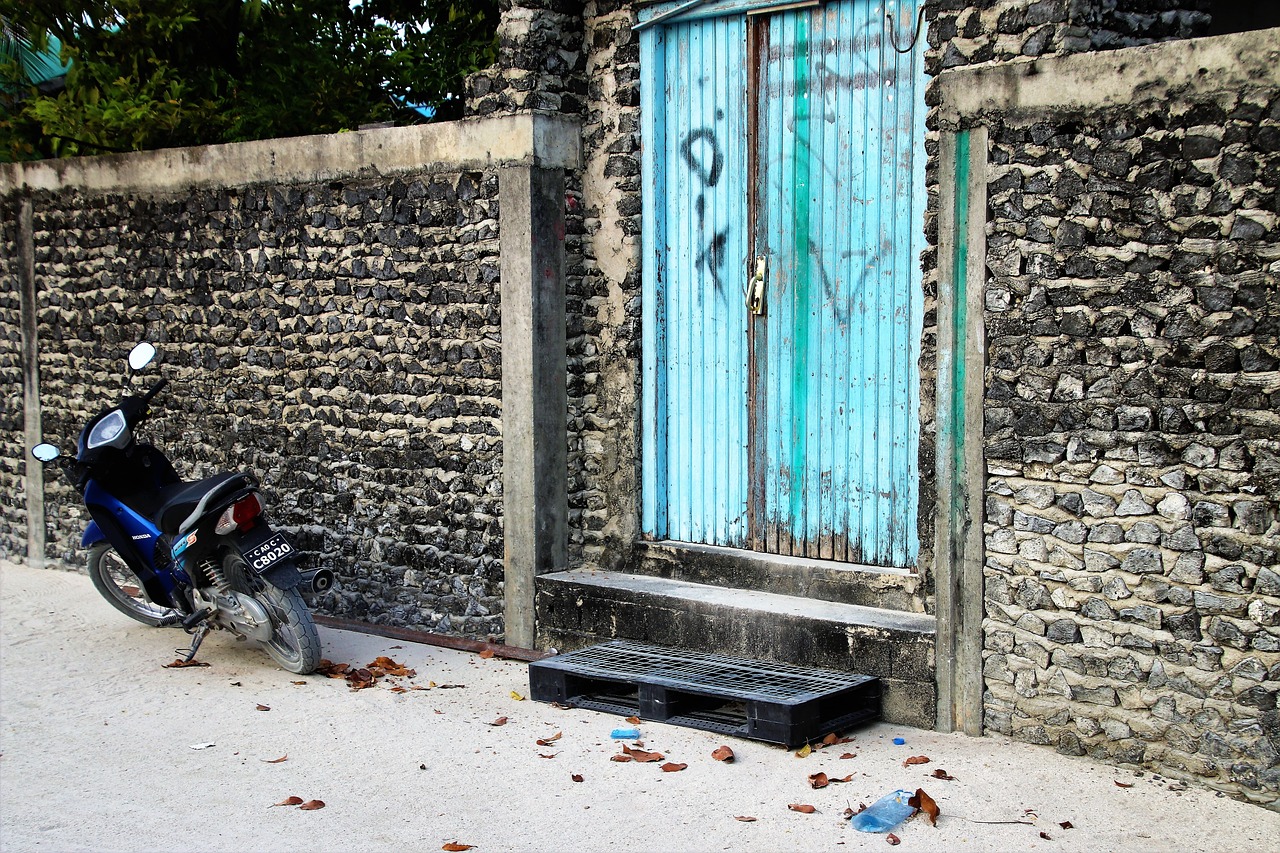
column 141, row 355
column 45, row 452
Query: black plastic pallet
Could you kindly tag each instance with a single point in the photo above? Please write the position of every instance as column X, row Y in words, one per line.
column 773, row 702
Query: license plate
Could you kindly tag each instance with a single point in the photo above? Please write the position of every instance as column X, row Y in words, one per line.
column 268, row 553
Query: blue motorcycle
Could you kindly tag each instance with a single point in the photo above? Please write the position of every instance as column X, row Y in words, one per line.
column 200, row 555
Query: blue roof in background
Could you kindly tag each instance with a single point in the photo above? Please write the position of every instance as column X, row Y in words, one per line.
column 37, row 66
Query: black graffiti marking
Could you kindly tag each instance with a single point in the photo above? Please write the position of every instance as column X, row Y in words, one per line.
column 712, row 255
column 709, row 177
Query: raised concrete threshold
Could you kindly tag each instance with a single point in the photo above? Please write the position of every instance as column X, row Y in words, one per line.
column 846, row 583
column 580, row 607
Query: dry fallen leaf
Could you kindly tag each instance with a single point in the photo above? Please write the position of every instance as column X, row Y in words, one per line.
column 818, row 780
column 804, row 751
column 384, row 665
column 486, row 654
column 942, row 774
column 723, row 753
column 1066, row 824
column 547, row 741
column 359, row 679
column 454, row 847
column 179, row 664
column 803, row 808
column 641, row 756
column 1124, row 784
column 850, row 755
column 577, row 777
column 620, row 758
column 635, row 721
column 552, row 755
column 848, row 778
column 516, row 696
column 279, row 760
column 672, row 767
column 331, row 669
column 745, row 818
column 264, row 707
column 916, row 759
column 501, row 721
column 311, row 805
column 1046, row 836
column 926, row 804
column 297, row 682
column 893, row 839
column 289, row 801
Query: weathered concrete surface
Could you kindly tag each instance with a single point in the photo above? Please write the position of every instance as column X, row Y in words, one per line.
column 471, row 144
column 823, row 580
column 534, row 438
column 1137, row 78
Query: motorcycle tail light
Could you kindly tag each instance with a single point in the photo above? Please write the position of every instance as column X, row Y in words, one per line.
column 241, row 515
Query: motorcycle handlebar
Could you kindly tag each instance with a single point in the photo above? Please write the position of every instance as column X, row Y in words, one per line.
column 156, row 389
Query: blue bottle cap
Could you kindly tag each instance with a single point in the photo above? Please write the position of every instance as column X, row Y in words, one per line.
column 899, row 741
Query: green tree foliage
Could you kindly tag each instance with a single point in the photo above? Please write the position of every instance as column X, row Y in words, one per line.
column 160, row 73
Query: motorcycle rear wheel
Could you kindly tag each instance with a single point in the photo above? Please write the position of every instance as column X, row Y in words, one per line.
column 294, row 643
column 116, row 582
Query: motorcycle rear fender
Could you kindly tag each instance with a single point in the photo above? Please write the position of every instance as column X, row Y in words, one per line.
column 282, row 575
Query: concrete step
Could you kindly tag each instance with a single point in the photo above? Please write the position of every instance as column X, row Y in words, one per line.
column 580, row 607
column 734, row 568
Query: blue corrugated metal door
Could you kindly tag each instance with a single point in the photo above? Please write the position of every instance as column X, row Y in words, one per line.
column 785, row 146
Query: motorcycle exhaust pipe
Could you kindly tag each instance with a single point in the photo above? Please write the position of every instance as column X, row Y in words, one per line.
column 315, row 581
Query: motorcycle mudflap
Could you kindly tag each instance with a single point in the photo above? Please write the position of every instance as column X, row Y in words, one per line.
column 283, row 574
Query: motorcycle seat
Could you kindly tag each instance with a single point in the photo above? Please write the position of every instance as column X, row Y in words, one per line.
column 183, row 504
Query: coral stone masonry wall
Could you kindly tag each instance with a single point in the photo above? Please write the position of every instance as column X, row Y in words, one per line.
column 967, row 33
column 1133, row 435
column 340, row 340
column 13, row 452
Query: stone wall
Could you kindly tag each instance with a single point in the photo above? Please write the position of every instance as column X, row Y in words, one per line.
column 13, row 443
column 339, row 339
column 1133, row 436
column 962, row 32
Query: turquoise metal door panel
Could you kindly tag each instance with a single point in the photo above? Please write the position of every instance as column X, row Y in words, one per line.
column 794, row 431
column 695, row 342
column 838, row 211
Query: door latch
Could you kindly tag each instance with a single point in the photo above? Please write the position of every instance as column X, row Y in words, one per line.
column 755, row 293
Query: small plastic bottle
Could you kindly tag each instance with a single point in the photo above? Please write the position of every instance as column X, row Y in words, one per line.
column 886, row 813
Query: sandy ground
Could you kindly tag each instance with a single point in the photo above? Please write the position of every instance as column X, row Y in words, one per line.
column 98, row 752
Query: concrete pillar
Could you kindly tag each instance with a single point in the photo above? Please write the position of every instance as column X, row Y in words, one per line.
column 33, row 481
column 961, row 467
column 534, row 397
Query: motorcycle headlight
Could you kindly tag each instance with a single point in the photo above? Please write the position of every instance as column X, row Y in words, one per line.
column 107, row 430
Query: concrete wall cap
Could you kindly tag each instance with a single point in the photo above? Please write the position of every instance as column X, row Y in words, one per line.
column 518, row 140
column 1029, row 89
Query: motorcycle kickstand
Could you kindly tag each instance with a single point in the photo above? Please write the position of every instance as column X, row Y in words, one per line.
column 197, row 635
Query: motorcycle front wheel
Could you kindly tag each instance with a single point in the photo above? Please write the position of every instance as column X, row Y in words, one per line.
column 117, row 583
column 294, row 643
